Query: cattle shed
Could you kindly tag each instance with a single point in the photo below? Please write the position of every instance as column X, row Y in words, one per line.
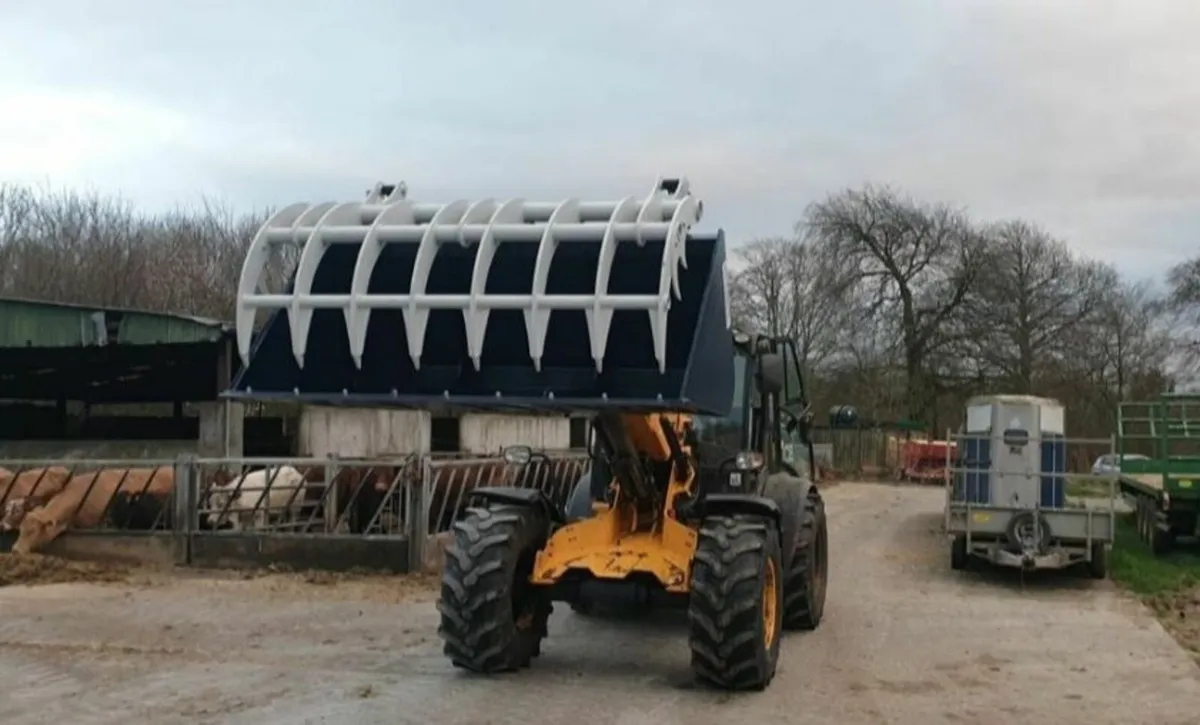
column 60, row 364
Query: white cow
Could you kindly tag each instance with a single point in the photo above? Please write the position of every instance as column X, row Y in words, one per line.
column 239, row 504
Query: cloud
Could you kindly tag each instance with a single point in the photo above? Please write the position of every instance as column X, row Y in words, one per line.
column 1078, row 115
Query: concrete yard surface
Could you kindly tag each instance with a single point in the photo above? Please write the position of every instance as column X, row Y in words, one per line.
column 905, row 640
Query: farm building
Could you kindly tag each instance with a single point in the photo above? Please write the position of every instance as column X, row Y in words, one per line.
column 85, row 381
column 94, row 381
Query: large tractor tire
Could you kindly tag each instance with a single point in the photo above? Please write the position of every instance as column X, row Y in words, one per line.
column 804, row 587
column 735, row 611
column 493, row 620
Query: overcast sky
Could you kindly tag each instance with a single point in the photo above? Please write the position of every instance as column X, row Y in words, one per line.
column 1083, row 115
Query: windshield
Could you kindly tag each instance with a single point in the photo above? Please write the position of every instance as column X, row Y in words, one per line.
column 720, row 437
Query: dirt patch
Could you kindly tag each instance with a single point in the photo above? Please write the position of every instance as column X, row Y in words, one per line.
column 1179, row 613
column 312, row 585
column 39, row 569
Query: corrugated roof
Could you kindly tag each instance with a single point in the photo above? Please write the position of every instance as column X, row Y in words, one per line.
column 38, row 323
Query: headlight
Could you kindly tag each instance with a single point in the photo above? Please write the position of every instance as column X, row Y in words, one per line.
column 748, row 461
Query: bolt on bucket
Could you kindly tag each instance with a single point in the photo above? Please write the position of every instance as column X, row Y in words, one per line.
column 572, row 305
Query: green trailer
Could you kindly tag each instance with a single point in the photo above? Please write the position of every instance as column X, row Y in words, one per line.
column 1164, row 487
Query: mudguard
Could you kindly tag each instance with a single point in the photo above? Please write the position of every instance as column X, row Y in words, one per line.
column 790, row 494
column 532, row 497
column 722, row 504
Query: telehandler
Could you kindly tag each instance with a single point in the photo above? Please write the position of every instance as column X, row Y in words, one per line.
column 700, row 493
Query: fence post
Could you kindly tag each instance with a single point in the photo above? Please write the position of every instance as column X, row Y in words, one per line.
column 186, row 507
column 418, row 516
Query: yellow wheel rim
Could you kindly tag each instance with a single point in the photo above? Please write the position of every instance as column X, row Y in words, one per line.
column 770, row 599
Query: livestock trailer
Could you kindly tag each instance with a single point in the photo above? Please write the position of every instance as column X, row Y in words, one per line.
column 1163, row 488
column 1006, row 497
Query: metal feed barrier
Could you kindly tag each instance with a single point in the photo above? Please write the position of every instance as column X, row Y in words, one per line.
column 324, row 513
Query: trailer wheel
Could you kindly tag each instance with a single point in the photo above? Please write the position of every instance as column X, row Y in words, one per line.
column 492, row 619
column 1160, row 541
column 735, row 612
column 1098, row 566
column 958, row 552
column 1140, row 519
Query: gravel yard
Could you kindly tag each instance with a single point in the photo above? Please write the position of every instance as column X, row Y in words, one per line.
column 905, row 640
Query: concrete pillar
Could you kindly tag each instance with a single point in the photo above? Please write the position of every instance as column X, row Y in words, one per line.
column 488, row 433
column 362, row 432
column 221, row 429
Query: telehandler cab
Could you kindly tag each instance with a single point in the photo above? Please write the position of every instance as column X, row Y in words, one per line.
column 700, row 493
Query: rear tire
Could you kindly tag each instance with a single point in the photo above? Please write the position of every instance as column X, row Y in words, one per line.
column 1098, row 566
column 958, row 552
column 1160, row 541
column 493, row 620
column 1140, row 519
column 579, row 507
column 808, row 577
column 735, row 612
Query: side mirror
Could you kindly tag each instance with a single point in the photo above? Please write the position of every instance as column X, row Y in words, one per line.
column 771, row 373
column 517, row 455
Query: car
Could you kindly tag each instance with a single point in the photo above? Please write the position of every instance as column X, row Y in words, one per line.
column 1108, row 465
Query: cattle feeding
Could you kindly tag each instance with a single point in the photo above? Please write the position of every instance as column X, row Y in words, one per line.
column 84, row 501
column 250, row 499
column 342, row 496
column 28, row 490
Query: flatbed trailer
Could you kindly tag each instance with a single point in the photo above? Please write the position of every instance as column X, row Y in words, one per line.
column 1163, row 489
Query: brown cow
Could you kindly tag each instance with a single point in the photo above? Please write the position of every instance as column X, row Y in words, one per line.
column 360, row 489
column 83, row 501
column 28, row 490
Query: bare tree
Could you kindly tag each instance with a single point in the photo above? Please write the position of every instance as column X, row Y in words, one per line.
column 65, row 246
column 909, row 261
column 1184, row 302
column 1033, row 292
column 784, row 289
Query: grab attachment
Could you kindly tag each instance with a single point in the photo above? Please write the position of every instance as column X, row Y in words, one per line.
column 389, row 219
column 576, row 305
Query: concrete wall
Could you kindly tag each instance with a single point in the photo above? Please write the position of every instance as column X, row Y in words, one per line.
column 221, row 429
column 488, row 433
column 362, row 432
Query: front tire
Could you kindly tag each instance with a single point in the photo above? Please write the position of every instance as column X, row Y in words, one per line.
column 804, row 589
column 493, row 620
column 735, row 612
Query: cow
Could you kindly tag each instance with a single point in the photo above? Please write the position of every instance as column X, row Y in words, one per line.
column 361, row 492
column 140, row 511
column 28, row 490
column 246, row 499
column 84, row 500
